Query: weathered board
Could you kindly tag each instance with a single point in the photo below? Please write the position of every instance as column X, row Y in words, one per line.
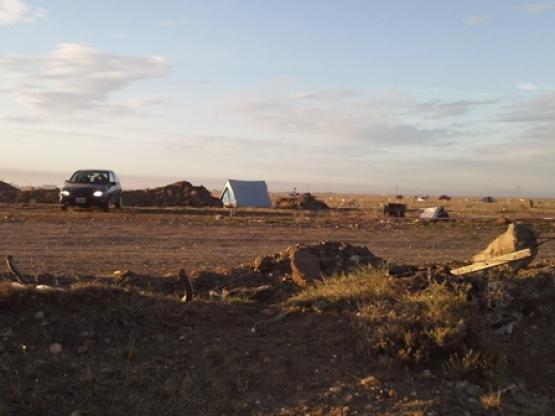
column 493, row 262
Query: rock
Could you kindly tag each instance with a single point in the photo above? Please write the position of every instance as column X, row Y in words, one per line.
column 305, row 267
column 335, row 389
column 391, row 393
column 517, row 237
column 39, row 315
column 472, row 390
column 55, row 348
column 369, row 381
column 263, row 263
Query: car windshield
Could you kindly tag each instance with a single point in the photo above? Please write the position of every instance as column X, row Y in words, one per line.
column 89, row 176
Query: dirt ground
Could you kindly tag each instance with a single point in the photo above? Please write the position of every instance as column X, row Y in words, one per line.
column 126, row 345
column 159, row 241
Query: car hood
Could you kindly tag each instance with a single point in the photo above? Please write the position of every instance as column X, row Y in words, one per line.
column 85, row 187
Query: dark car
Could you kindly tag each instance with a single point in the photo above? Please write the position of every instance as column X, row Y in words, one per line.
column 91, row 188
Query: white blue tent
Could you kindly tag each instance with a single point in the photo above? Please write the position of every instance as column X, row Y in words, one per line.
column 253, row 194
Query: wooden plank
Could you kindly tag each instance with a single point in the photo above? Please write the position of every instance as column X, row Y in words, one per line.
column 493, row 262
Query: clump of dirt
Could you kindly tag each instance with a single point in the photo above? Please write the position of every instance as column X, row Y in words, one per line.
column 302, row 201
column 306, row 263
column 282, row 274
column 517, row 237
column 176, row 194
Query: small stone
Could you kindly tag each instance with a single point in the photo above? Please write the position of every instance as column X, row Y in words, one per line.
column 55, row 348
column 117, row 273
column 369, row 381
column 427, row 374
column 39, row 315
column 335, row 389
column 391, row 393
column 473, row 390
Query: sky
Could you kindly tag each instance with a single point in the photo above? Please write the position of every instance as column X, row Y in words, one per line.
column 432, row 96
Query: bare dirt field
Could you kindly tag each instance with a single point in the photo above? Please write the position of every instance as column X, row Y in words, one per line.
column 252, row 342
column 159, row 241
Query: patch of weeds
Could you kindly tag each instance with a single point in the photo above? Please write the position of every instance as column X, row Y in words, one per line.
column 346, row 293
column 491, row 401
column 471, row 363
column 440, row 321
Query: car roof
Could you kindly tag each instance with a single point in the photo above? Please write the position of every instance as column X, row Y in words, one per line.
column 94, row 170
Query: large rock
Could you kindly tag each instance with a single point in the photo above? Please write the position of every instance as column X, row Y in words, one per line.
column 517, row 237
column 305, row 267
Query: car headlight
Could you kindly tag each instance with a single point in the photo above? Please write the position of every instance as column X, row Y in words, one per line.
column 98, row 193
column 64, row 193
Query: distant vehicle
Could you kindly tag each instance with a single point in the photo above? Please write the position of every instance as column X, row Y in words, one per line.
column 91, row 188
column 444, row 198
column 488, row 199
column 421, row 198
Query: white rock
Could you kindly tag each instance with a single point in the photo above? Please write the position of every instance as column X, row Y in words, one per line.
column 55, row 348
column 39, row 315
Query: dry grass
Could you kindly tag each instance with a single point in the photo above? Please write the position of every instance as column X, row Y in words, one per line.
column 406, row 326
column 491, row 401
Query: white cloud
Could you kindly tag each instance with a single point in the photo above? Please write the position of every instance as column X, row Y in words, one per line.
column 527, row 86
column 346, row 118
column 536, row 111
column 540, row 7
column 477, row 20
column 16, row 11
column 75, row 77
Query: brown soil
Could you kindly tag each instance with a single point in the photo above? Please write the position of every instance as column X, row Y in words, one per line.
column 128, row 346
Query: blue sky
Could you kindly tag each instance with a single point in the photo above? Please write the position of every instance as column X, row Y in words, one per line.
column 366, row 96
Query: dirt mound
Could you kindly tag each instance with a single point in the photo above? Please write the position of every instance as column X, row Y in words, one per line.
column 176, row 194
column 7, row 192
column 325, row 259
column 41, row 196
column 6, row 187
column 302, row 201
column 517, row 237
